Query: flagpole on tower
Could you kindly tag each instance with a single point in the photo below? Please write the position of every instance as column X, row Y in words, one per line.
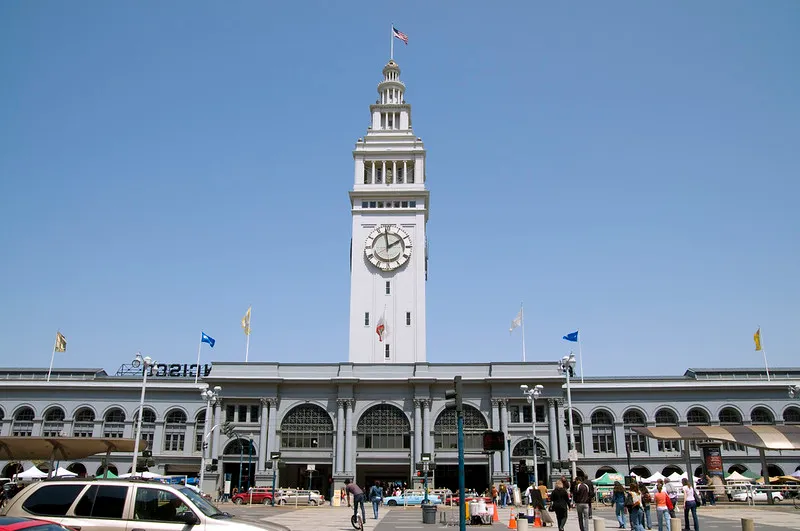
column 522, row 314
column 760, row 346
column 247, row 333
column 199, row 346
column 53, row 356
column 580, row 354
column 391, row 41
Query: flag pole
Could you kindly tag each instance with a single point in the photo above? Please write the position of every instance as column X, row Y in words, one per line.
column 580, row 354
column 53, row 356
column 763, row 351
column 522, row 314
column 197, row 374
column 247, row 343
column 391, row 42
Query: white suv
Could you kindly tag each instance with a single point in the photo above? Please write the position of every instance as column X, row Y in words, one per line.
column 121, row 505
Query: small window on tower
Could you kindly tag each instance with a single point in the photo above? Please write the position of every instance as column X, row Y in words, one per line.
column 408, row 318
column 364, row 204
column 372, row 204
column 388, row 288
column 397, row 204
column 390, row 121
column 379, row 175
column 380, row 204
column 404, row 204
column 366, row 318
column 412, row 204
column 410, row 176
column 367, row 173
column 388, row 353
column 400, row 174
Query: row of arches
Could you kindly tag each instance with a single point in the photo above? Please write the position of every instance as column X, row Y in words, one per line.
column 665, row 416
column 643, row 471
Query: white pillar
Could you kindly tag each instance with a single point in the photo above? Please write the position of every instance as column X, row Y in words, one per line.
column 273, row 444
column 504, row 428
column 418, row 429
column 340, row 451
column 563, row 449
column 349, row 442
column 552, row 423
column 427, row 444
column 263, row 435
column 496, row 457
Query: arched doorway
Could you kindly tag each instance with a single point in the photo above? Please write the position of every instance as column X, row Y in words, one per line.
column 307, row 439
column 671, row 469
column 383, row 431
column 641, row 471
column 774, row 470
column 77, row 468
column 741, row 469
column 522, row 455
column 603, row 469
column 101, row 470
column 445, row 442
column 240, row 457
column 12, row 468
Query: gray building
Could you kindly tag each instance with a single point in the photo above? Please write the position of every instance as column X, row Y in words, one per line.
column 373, row 421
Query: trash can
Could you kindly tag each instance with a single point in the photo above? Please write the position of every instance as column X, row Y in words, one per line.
column 429, row 514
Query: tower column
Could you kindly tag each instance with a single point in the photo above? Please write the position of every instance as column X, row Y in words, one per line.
column 418, row 429
column 340, row 405
column 496, row 456
column 427, row 446
column 503, row 428
column 563, row 448
column 263, row 435
column 552, row 424
column 349, row 443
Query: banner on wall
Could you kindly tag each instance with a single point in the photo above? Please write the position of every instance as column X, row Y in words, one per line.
column 712, row 457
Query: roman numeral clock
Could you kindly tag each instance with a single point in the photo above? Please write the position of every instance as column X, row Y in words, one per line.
column 388, row 247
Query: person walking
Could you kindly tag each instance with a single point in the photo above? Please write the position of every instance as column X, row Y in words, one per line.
column 689, row 504
column 559, row 498
column 662, row 507
column 636, row 507
column 618, row 498
column 376, row 497
column 503, row 494
column 358, row 498
column 582, row 497
column 537, row 502
column 646, row 501
column 672, row 492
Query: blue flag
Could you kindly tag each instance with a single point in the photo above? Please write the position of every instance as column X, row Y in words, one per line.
column 207, row 339
column 569, row 337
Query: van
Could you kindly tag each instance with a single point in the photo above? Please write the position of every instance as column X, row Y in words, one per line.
column 120, row 505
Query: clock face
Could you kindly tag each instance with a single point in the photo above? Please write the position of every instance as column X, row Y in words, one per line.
column 388, row 247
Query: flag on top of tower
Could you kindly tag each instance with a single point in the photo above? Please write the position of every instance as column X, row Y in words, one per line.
column 516, row 322
column 400, row 35
column 572, row 337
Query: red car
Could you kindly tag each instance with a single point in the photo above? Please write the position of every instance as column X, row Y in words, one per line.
column 257, row 494
column 10, row 523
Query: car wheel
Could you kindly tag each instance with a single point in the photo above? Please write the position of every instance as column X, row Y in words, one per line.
column 238, row 501
column 312, row 502
column 266, row 501
column 392, row 503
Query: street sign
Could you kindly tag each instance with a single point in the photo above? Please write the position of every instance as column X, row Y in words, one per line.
column 425, row 457
column 529, row 462
column 573, row 455
column 311, row 467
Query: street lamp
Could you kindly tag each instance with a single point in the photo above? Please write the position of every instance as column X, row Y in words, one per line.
column 567, row 365
column 532, row 395
column 794, row 391
column 211, row 398
column 250, row 464
column 145, row 363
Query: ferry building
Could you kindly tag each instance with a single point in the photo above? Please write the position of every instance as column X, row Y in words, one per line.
column 372, row 417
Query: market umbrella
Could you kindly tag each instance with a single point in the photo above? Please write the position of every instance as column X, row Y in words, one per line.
column 32, row 473
column 64, row 473
column 107, row 475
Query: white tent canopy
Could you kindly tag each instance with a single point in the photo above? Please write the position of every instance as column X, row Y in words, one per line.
column 32, row 473
column 145, row 475
column 64, row 473
column 655, row 477
column 678, row 478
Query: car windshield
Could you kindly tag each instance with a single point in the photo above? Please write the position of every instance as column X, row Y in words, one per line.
column 205, row 506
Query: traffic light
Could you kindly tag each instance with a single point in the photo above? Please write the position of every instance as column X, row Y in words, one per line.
column 455, row 395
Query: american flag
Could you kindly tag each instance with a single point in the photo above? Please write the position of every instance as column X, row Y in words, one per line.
column 400, row 35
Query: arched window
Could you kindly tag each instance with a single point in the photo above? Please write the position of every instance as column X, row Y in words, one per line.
column 671, row 469
column 603, row 432
column 791, row 415
column 445, row 430
column 641, row 471
column 307, row 426
column 102, row 470
column 667, row 417
column 524, row 448
column 2, row 414
column 199, row 430
column 77, row 468
column 762, row 415
column 577, row 422
column 53, row 422
column 114, row 424
column 84, row 423
column 383, row 427
column 637, row 442
column 23, row 422
column 697, row 417
column 241, row 447
column 729, row 415
column 148, row 426
column 175, row 431
column 603, row 469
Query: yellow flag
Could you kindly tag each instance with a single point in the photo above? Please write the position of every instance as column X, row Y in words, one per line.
column 246, row 322
column 757, row 338
column 61, row 342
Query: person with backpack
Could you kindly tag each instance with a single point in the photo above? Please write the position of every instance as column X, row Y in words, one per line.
column 646, row 501
column 581, row 497
column 618, row 498
column 376, row 497
column 633, row 499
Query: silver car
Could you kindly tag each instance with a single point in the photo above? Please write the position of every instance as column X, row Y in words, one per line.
column 300, row 497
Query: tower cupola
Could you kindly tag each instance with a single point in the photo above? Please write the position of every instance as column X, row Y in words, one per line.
column 391, row 89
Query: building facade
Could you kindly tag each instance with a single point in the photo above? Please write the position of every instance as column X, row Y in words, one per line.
column 373, row 417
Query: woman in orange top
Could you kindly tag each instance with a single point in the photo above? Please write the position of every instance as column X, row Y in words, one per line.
column 662, row 510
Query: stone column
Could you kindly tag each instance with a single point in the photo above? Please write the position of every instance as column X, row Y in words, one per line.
column 563, row 445
column 619, row 439
column 263, row 436
column 552, row 425
column 496, row 457
column 216, row 451
column 349, row 442
column 158, row 437
column 273, row 444
column 427, row 443
column 504, row 429
column 188, row 439
column 418, row 429
column 341, row 404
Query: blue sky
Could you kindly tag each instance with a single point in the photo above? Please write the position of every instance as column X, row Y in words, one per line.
column 626, row 168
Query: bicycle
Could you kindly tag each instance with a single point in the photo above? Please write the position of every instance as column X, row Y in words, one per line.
column 607, row 499
column 357, row 522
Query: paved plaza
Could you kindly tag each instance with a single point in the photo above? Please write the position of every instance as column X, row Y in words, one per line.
column 326, row 518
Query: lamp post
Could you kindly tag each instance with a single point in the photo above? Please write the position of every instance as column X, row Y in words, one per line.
column 250, row 463
column 211, row 398
column 145, row 363
column 567, row 367
column 532, row 395
column 794, row 391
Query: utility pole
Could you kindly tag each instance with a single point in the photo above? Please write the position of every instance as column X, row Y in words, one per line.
column 456, row 395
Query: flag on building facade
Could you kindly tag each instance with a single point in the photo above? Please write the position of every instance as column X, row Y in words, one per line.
column 246, row 322
column 572, row 337
column 757, row 338
column 400, row 35
column 380, row 329
column 61, row 342
column 517, row 322
column 207, row 339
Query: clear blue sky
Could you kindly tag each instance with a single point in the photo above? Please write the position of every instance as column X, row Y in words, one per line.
column 630, row 168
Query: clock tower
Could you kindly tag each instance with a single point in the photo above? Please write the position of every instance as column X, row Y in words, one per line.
column 388, row 251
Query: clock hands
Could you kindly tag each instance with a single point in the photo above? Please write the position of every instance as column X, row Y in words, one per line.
column 386, row 237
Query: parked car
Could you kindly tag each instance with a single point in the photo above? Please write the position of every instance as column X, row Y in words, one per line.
column 91, row 504
column 757, row 495
column 256, row 494
column 300, row 497
column 470, row 495
column 11, row 523
column 412, row 497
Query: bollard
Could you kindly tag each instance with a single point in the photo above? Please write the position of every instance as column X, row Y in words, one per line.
column 747, row 524
column 599, row 524
column 522, row 524
column 676, row 523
